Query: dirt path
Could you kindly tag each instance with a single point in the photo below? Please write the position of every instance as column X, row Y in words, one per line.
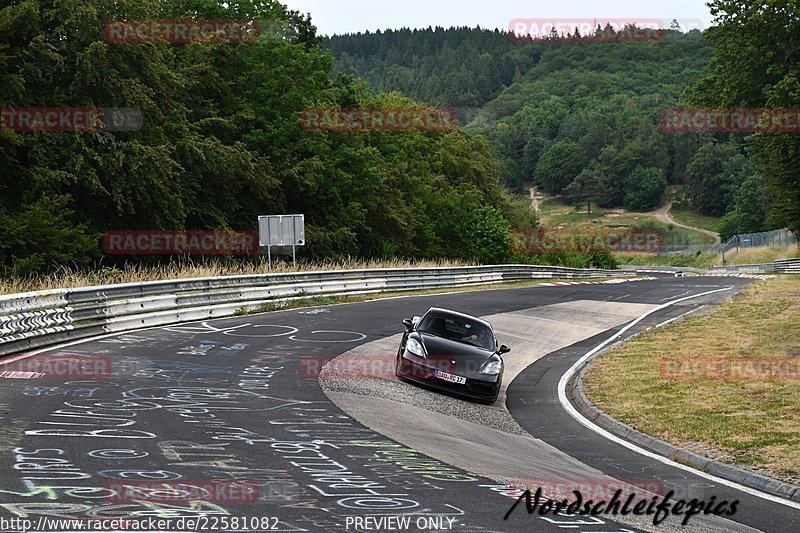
column 663, row 216
column 534, row 200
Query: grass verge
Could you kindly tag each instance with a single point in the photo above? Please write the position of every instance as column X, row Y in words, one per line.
column 695, row 260
column 752, row 256
column 556, row 215
column 668, row 384
column 695, row 219
column 746, row 256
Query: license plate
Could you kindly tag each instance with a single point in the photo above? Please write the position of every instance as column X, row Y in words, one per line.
column 450, row 377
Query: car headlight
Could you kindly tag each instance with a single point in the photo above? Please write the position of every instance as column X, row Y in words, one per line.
column 492, row 368
column 413, row 346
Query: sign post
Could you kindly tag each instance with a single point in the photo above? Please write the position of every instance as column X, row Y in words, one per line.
column 282, row 231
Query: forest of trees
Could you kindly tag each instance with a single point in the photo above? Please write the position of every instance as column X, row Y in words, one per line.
column 456, row 67
column 580, row 119
column 222, row 143
column 757, row 65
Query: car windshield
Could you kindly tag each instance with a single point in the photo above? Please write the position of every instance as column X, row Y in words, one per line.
column 460, row 330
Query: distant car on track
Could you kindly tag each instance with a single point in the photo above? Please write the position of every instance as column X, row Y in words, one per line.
column 452, row 351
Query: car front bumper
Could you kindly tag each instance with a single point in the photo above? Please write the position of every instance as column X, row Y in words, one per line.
column 417, row 371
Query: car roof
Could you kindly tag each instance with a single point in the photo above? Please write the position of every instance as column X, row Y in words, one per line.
column 456, row 314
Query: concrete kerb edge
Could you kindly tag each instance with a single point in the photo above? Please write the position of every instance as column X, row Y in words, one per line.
column 577, row 396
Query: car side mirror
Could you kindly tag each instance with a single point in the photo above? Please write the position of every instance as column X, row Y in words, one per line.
column 503, row 349
column 408, row 324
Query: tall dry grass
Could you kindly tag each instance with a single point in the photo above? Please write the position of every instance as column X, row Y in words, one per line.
column 755, row 256
column 745, row 256
column 66, row 277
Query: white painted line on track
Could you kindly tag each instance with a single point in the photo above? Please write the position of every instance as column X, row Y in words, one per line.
column 568, row 407
column 684, row 315
column 673, row 296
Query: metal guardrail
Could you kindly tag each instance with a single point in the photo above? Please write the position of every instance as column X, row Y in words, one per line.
column 782, row 266
column 38, row 319
column 765, row 268
column 787, row 266
column 652, row 269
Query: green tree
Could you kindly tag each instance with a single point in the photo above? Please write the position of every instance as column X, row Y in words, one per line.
column 756, row 65
column 488, row 236
column 712, row 178
column 752, row 212
column 42, row 236
column 559, row 165
column 585, row 188
column 222, row 140
column 531, row 95
column 644, row 188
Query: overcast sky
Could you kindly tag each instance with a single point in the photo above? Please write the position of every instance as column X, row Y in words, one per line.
column 349, row 16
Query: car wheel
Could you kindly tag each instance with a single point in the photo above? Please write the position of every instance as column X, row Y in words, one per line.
column 397, row 365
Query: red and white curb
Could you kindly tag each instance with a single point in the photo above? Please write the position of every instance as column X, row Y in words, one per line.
column 748, row 276
column 609, row 282
column 713, row 274
column 20, row 375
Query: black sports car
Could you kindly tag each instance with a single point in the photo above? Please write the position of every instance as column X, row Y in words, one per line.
column 452, row 351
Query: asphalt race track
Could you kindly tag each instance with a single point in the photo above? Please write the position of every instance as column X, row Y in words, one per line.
column 199, row 409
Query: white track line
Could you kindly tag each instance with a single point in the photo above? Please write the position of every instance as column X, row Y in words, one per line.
column 684, row 315
column 562, row 398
